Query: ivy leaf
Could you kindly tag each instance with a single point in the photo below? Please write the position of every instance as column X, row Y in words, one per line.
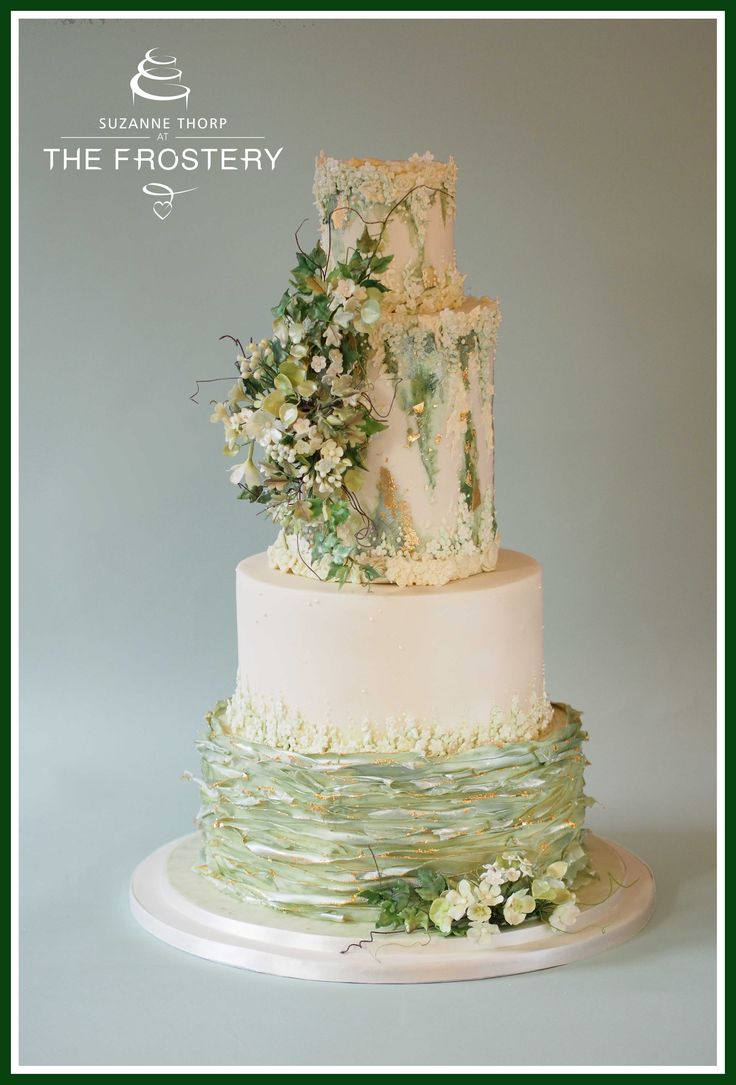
column 365, row 243
column 340, row 512
column 280, row 309
column 318, row 256
column 380, row 264
column 371, row 425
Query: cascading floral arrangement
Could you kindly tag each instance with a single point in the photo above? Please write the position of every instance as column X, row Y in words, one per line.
column 302, row 399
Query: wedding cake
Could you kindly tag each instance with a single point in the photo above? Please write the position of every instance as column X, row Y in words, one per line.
column 390, row 755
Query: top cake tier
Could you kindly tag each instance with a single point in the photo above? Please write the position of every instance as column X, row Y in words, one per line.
column 408, row 208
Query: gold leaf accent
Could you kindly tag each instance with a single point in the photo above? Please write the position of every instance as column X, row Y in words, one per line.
column 411, row 438
column 388, row 493
column 418, row 408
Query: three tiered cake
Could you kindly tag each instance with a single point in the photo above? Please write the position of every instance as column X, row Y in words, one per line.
column 390, row 755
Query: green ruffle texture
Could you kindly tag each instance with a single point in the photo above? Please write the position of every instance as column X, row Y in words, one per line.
column 307, row 833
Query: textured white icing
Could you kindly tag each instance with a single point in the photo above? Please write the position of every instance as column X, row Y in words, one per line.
column 466, row 657
column 276, row 723
column 355, row 194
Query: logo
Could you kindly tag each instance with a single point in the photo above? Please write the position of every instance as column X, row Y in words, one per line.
column 160, row 78
column 165, row 142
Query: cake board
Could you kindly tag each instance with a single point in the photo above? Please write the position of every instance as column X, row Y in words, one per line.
column 174, row 903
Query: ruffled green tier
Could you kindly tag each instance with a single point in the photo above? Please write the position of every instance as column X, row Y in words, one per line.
column 307, row 833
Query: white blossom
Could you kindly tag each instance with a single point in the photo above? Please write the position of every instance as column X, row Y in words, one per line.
column 517, row 907
column 565, row 915
column 482, row 932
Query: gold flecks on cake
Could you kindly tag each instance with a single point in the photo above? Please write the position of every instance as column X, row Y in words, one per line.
column 389, row 495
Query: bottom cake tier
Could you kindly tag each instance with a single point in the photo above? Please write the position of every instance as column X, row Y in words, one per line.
column 491, row 836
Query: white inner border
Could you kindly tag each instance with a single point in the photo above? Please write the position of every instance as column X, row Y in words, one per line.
column 718, row 16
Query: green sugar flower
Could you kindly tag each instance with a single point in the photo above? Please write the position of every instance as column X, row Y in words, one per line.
column 439, row 913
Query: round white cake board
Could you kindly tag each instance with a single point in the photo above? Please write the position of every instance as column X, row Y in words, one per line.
column 180, row 907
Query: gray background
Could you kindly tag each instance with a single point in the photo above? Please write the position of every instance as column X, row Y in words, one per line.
column 586, row 202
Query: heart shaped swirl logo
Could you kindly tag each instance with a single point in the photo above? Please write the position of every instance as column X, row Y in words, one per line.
column 162, row 208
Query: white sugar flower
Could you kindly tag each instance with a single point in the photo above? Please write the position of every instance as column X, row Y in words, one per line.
column 518, row 907
column 489, row 893
column 478, row 912
column 519, row 861
column 318, row 362
column 272, row 435
column 330, row 456
column 494, row 873
column 483, row 933
column 460, row 899
column 258, row 423
column 342, row 317
column 565, row 915
column 345, row 288
column 219, row 414
column 370, row 312
column 302, row 426
column 246, row 472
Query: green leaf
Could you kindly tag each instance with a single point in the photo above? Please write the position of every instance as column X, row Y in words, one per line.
column 365, row 242
column 380, row 264
column 371, row 425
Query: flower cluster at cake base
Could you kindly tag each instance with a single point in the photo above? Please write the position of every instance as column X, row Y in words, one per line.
column 503, row 894
column 302, row 402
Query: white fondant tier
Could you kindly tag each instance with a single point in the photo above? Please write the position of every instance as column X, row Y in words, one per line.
column 370, row 664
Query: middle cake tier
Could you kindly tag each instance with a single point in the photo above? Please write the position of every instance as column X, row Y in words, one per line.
column 426, row 497
column 386, row 668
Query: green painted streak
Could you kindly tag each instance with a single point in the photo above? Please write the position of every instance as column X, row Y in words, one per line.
column 469, row 474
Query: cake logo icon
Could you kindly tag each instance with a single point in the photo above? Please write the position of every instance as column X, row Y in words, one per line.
column 160, row 140
column 159, row 80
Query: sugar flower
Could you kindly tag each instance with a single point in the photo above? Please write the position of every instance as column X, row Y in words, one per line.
column 482, row 933
column 517, row 907
column 565, row 915
column 439, row 913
